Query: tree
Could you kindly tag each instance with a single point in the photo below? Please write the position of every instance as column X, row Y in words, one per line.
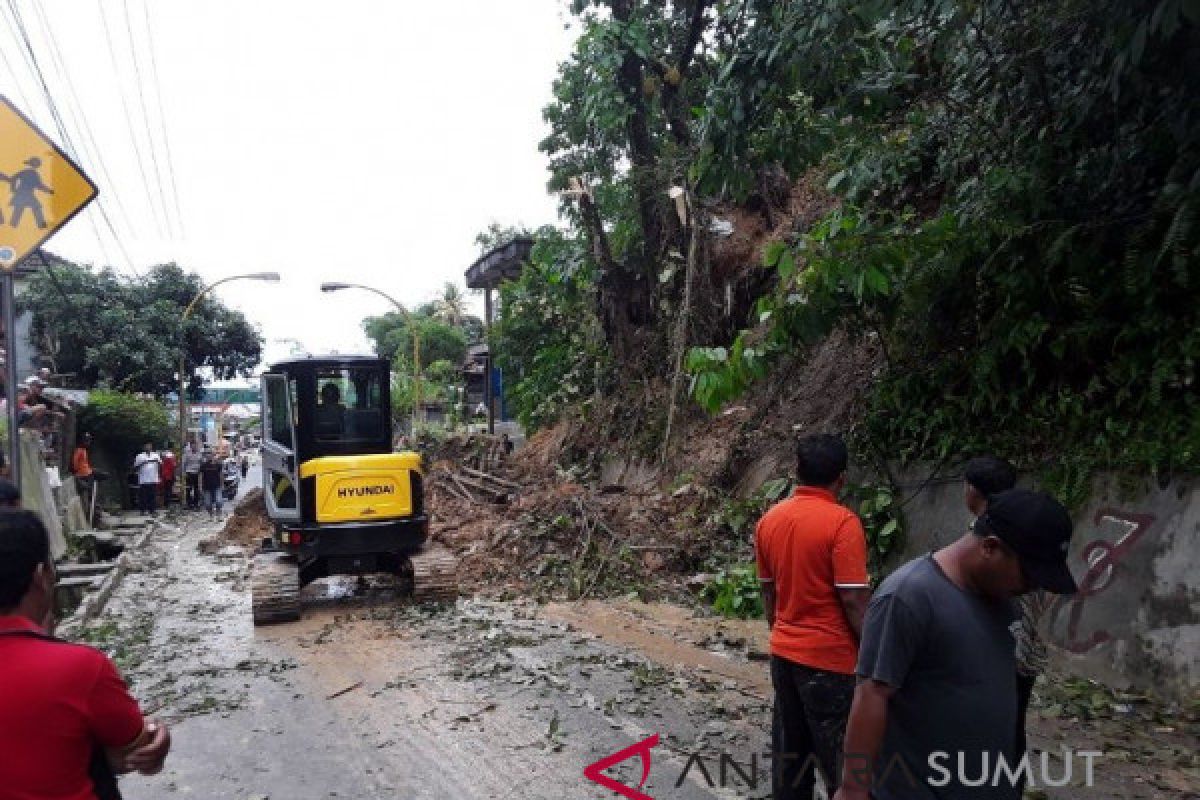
column 108, row 330
column 546, row 338
column 1018, row 190
column 392, row 335
column 620, row 137
column 452, row 305
column 123, row 423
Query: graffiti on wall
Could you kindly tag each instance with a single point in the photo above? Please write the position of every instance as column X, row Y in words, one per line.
column 1103, row 560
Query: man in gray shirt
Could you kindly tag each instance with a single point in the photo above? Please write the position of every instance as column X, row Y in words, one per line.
column 191, row 475
column 934, row 710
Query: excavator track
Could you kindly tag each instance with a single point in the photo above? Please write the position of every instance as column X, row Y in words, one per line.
column 435, row 578
column 274, row 588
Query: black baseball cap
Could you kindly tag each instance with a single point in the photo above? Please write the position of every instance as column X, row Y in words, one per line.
column 1038, row 529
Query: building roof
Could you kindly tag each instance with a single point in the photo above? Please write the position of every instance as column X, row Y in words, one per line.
column 501, row 263
column 37, row 261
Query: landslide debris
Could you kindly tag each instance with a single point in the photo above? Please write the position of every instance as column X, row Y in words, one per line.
column 248, row 523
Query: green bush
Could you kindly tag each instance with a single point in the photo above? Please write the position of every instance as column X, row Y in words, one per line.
column 735, row 592
column 121, row 424
column 547, row 337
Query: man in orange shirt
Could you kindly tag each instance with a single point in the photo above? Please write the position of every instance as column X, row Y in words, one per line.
column 812, row 561
column 81, row 463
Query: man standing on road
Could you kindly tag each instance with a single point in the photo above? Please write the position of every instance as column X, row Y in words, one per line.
column 67, row 720
column 191, row 475
column 935, row 706
column 167, row 476
column 211, row 475
column 812, row 561
column 985, row 477
column 147, row 466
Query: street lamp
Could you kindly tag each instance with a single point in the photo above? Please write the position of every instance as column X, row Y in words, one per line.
column 187, row 312
column 334, row 286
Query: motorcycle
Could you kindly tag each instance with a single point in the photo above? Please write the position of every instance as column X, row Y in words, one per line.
column 230, row 479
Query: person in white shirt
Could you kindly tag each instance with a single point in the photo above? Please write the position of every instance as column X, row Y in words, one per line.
column 147, row 466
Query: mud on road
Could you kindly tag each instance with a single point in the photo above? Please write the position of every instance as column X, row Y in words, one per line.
column 370, row 697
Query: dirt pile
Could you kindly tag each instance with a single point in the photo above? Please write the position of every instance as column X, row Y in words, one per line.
column 248, row 523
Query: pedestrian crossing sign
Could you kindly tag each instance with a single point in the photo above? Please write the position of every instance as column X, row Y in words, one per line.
column 41, row 188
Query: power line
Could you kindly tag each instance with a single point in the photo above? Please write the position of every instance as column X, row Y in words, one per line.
column 89, row 147
column 31, row 58
column 79, row 114
column 16, row 81
column 68, row 143
column 162, row 118
column 137, row 73
column 137, row 151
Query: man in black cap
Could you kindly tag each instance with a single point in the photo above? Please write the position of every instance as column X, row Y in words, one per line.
column 934, row 707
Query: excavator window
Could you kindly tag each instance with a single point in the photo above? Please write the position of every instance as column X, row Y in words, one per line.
column 349, row 406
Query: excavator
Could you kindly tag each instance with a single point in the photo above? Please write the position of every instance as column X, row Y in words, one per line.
column 340, row 500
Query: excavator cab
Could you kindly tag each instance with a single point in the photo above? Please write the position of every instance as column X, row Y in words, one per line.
column 342, row 502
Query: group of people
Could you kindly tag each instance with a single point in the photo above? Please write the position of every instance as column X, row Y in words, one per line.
column 204, row 473
column 906, row 691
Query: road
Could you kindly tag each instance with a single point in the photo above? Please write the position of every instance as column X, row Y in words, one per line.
column 366, row 697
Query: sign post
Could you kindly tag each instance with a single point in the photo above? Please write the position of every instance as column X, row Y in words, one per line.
column 10, row 375
column 45, row 189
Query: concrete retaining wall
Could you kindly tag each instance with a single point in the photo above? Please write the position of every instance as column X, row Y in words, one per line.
column 37, row 494
column 1136, row 556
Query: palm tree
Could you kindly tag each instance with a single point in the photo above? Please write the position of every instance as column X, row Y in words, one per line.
column 452, row 305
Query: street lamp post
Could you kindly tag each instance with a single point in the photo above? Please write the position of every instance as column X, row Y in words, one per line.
column 187, row 312
column 412, row 323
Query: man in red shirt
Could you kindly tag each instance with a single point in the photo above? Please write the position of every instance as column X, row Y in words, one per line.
column 64, row 710
column 812, row 561
column 167, row 476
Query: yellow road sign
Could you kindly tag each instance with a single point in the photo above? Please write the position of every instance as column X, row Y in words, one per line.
column 40, row 187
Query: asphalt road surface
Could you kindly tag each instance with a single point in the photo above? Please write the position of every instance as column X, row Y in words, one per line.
column 369, row 697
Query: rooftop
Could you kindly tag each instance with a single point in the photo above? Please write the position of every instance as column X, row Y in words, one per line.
column 501, row 263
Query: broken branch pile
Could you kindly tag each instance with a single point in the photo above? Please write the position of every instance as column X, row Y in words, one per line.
column 535, row 528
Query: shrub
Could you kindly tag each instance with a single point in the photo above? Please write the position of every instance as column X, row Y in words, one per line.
column 121, row 423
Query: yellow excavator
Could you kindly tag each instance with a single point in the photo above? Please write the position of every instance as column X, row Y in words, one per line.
column 341, row 501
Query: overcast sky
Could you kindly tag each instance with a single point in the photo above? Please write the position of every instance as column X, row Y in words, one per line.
column 360, row 141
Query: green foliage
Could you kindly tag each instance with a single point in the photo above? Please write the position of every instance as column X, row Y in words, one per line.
column 125, row 334
column 1018, row 227
column 498, row 234
column 122, row 424
column 737, row 516
column 735, row 592
column 546, row 338
column 392, row 335
column 883, row 521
